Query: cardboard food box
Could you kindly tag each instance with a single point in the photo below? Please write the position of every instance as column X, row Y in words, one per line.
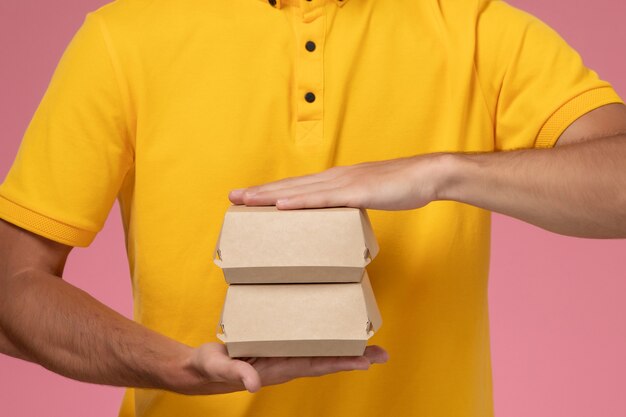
column 266, row 245
column 298, row 285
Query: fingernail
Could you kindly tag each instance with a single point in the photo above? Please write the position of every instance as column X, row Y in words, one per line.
column 237, row 192
column 282, row 202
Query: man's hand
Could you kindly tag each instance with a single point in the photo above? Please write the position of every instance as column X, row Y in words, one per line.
column 218, row 373
column 44, row 319
column 576, row 189
column 398, row 184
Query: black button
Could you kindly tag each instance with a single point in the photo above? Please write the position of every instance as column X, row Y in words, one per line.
column 272, row 2
column 309, row 97
column 310, row 46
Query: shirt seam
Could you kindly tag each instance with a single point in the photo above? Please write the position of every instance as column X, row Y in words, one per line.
column 117, row 75
column 481, row 87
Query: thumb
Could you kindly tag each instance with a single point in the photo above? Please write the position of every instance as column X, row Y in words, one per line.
column 223, row 368
column 213, row 361
column 247, row 375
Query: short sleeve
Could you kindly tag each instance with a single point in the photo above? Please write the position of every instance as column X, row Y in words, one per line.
column 535, row 82
column 76, row 150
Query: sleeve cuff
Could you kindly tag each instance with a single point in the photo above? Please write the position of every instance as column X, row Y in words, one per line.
column 43, row 225
column 571, row 111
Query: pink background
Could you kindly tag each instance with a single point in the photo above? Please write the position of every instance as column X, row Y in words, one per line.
column 557, row 304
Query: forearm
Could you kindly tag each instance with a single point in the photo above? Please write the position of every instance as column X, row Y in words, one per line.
column 46, row 320
column 8, row 347
column 577, row 190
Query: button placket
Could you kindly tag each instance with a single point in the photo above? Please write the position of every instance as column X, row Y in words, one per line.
column 310, row 71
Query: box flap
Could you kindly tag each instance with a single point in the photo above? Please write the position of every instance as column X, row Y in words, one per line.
column 373, row 313
column 314, row 245
column 290, row 312
column 368, row 234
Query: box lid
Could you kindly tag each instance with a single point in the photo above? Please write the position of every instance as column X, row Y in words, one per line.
column 267, row 245
column 341, row 312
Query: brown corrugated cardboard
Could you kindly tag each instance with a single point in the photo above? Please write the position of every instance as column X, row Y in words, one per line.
column 265, row 245
column 299, row 319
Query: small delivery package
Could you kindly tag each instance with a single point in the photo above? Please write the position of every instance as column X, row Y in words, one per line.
column 297, row 282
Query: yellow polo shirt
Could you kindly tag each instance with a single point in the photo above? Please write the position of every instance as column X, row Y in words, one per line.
column 167, row 105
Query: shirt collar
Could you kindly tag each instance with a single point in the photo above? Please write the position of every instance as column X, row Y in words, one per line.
column 277, row 3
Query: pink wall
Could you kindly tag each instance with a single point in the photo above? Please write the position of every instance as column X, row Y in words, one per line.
column 557, row 310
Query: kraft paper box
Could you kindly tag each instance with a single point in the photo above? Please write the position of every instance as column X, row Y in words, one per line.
column 298, row 285
column 265, row 245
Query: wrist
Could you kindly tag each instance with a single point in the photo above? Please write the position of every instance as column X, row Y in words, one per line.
column 179, row 372
column 451, row 172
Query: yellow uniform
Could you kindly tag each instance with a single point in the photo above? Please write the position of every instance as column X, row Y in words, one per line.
column 168, row 105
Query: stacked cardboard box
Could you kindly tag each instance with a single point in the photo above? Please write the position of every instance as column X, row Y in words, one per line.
column 297, row 282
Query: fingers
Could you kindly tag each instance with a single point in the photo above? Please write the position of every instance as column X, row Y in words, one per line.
column 376, row 354
column 271, row 197
column 332, row 197
column 372, row 355
column 323, row 366
column 238, row 196
column 279, row 370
